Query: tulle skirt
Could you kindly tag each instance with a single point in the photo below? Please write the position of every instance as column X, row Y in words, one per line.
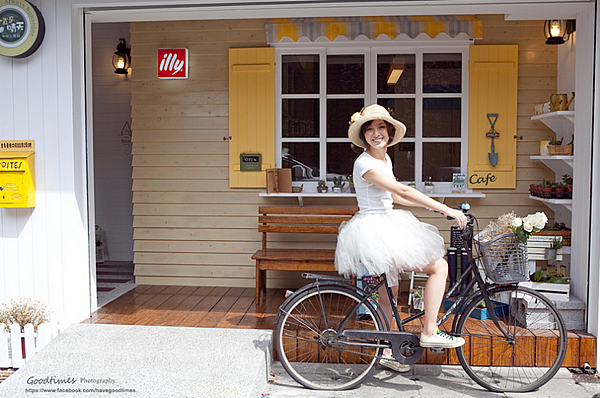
column 389, row 242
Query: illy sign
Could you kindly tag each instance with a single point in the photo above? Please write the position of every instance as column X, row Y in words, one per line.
column 172, row 63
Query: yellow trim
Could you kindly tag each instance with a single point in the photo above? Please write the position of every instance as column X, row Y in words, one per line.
column 251, row 112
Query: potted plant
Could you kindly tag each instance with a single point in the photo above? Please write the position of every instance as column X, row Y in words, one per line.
column 554, row 287
column 322, row 187
column 567, row 181
column 417, row 299
column 23, row 312
column 545, row 189
column 550, row 252
column 338, row 184
column 555, row 147
column 429, row 186
column 351, row 183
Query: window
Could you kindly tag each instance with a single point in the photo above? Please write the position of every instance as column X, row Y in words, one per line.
column 319, row 88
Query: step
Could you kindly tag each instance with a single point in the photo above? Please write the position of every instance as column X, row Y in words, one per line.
column 573, row 312
column 155, row 361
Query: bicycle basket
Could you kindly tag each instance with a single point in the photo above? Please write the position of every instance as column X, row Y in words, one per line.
column 504, row 258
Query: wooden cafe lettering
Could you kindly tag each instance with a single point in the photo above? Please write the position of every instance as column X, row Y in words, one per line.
column 476, row 179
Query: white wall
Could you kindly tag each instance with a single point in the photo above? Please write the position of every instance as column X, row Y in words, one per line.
column 44, row 250
column 112, row 160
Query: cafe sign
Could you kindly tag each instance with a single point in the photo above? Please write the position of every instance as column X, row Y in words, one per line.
column 172, row 63
column 22, row 28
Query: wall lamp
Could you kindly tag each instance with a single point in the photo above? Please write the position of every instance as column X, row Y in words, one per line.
column 557, row 31
column 122, row 58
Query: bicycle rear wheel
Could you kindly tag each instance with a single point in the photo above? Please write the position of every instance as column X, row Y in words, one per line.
column 531, row 355
column 310, row 345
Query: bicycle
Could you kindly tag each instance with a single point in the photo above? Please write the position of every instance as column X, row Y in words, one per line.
column 330, row 334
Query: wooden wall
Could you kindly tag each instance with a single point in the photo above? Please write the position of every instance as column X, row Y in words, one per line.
column 189, row 227
column 112, row 159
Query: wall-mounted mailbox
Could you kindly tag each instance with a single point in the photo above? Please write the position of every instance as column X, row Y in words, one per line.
column 17, row 188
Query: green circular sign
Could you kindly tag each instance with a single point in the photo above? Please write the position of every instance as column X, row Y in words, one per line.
column 22, row 28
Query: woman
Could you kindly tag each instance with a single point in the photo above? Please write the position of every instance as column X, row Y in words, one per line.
column 383, row 240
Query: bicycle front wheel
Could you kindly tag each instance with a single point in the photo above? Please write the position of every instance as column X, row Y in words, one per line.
column 310, row 344
column 531, row 354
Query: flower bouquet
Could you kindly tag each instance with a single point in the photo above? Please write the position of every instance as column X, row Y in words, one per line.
column 524, row 227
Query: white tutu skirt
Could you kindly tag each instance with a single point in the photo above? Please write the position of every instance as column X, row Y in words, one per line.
column 389, row 242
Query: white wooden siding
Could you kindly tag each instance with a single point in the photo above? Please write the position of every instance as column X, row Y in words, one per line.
column 44, row 251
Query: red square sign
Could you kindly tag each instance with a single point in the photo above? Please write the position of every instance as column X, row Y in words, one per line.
column 172, row 63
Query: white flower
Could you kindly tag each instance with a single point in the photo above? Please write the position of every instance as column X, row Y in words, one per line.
column 517, row 222
column 527, row 225
column 539, row 220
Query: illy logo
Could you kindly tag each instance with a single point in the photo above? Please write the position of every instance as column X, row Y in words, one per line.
column 172, row 63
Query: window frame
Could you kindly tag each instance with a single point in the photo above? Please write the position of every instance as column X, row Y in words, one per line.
column 371, row 49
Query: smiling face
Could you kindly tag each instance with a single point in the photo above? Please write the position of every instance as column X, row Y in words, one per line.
column 377, row 134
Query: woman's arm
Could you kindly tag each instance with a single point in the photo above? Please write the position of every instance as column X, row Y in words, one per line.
column 409, row 196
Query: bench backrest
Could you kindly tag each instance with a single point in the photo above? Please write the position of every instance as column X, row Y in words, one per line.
column 318, row 220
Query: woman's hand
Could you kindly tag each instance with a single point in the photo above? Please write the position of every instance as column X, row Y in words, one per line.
column 458, row 215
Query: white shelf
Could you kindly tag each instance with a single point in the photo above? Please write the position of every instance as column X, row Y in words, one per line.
column 555, row 203
column 559, row 121
column 441, row 196
column 555, row 163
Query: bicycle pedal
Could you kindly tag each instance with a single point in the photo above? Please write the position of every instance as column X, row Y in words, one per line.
column 437, row 350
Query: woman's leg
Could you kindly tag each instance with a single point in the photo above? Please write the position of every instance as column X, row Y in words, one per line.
column 384, row 302
column 434, row 293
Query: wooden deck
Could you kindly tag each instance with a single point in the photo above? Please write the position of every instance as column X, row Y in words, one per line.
column 235, row 308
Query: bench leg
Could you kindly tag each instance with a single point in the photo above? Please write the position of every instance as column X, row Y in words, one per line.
column 257, row 283
column 261, row 283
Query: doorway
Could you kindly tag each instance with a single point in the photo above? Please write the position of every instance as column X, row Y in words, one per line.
column 113, row 209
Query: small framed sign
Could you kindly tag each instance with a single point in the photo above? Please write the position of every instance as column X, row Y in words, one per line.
column 172, row 63
column 22, row 28
column 250, row 162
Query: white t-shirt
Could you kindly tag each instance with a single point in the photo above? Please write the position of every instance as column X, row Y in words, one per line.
column 371, row 198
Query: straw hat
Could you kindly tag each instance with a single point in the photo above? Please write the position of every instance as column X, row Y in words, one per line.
column 373, row 112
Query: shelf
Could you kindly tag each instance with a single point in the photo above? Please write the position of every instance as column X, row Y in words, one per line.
column 555, row 163
column 301, row 195
column 555, row 203
column 560, row 122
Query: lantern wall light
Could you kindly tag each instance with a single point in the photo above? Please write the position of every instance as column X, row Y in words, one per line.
column 558, row 31
column 122, row 58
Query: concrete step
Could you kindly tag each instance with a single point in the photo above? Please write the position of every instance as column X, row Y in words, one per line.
column 573, row 312
column 155, row 361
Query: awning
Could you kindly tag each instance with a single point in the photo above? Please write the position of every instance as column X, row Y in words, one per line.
column 372, row 27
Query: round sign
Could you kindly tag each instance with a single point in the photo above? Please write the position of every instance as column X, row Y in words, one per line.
column 22, row 28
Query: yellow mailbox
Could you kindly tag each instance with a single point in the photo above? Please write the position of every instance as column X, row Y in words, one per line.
column 17, row 188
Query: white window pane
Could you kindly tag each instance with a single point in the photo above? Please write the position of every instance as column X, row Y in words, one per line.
column 345, row 74
column 403, row 159
column 403, row 109
column 440, row 160
column 395, row 74
column 300, row 118
column 441, row 117
column 300, row 74
column 302, row 158
column 442, row 73
column 339, row 112
column 340, row 160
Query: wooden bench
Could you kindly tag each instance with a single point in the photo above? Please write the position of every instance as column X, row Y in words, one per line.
column 303, row 220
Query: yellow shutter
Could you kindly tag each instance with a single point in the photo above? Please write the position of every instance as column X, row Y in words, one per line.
column 251, row 113
column 492, row 90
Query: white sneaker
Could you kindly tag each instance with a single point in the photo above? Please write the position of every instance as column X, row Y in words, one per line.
column 441, row 340
column 388, row 361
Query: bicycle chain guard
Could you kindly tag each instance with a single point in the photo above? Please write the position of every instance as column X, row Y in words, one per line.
column 405, row 346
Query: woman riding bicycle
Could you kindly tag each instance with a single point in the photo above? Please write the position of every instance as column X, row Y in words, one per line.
column 379, row 239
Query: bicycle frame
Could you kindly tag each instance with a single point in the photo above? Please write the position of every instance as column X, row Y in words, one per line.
column 470, row 276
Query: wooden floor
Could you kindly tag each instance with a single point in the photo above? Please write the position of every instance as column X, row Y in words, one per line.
column 235, row 308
